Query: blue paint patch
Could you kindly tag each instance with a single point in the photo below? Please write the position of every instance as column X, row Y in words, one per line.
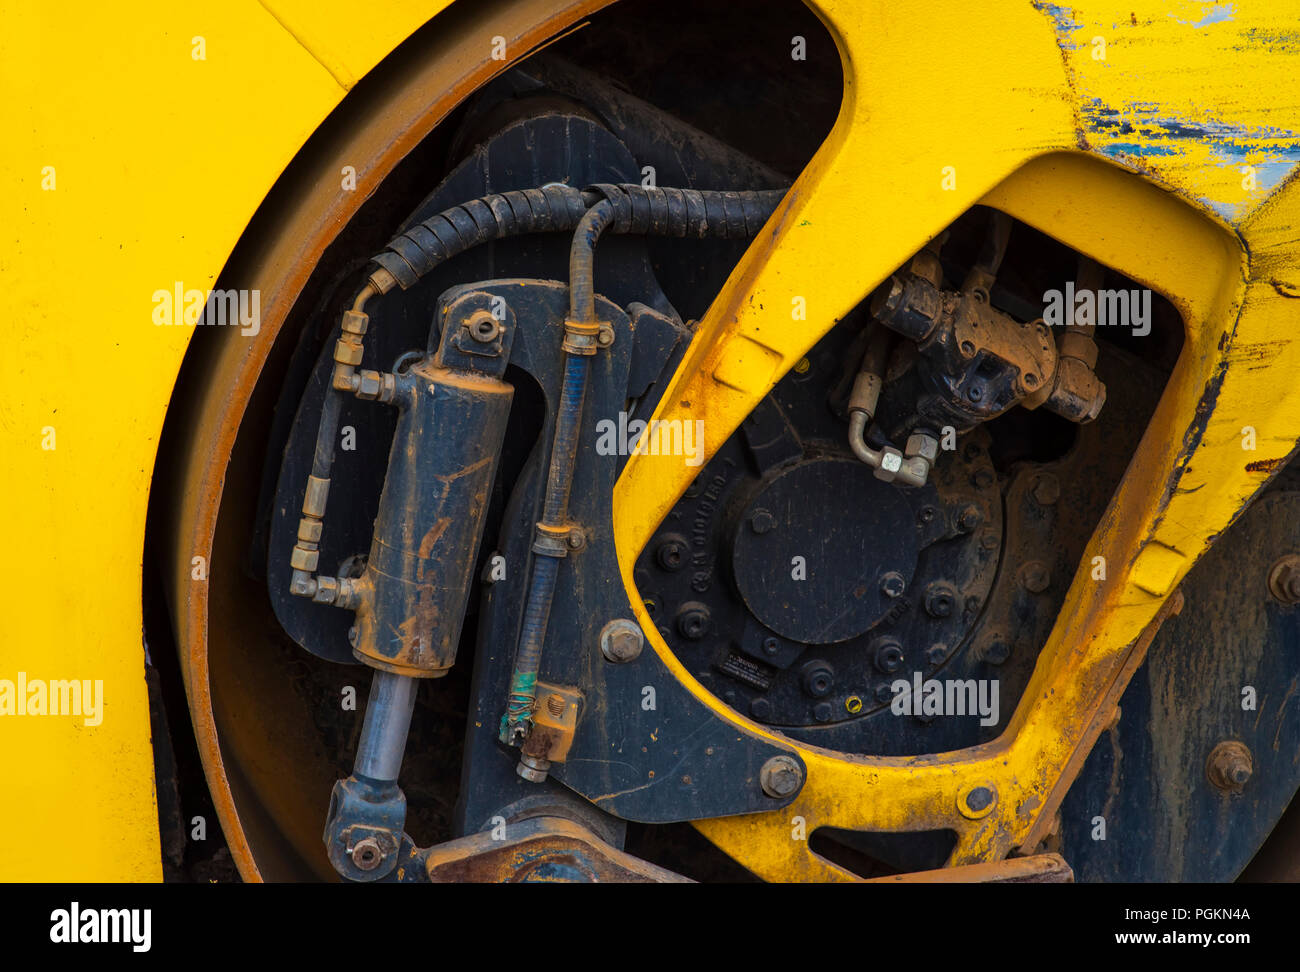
column 1063, row 19
column 1218, row 14
column 1140, row 131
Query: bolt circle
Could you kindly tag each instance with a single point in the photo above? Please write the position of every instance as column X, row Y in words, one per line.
column 781, row 776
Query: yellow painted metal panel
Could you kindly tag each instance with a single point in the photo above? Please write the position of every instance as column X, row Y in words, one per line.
column 130, row 163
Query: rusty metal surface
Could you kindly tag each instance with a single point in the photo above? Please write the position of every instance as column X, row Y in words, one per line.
column 550, row 849
column 1037, row 869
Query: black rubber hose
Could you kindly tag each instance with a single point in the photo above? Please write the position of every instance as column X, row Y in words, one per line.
column 641, row 210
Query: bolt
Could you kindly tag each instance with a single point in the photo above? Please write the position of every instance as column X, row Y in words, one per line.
column 533, row 768
column 605, row 336
column 1035, row 577
column 576, row 539
column 969, row 519
column 761, row 521
column 1047, row 490
column 892, row 584
column 771, row 646
column 483, row 327
column 801, row 366
column 939, row 600
column 760, row 709
column 1284, row 579
column 671, row 553
column 977, row 802
column 823, row 712
column 997, row 651
column 1229, row 766
column 693, row 620
column 818, row 679
column 889, row 655
column 621, row 640
column 555, row 705
column 781, row 776
column 853, row 705
column 700, row 581
column 935, row 654
column 367, row 854
column 927, row 514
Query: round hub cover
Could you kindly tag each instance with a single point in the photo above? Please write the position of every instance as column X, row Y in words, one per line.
column 823, row 550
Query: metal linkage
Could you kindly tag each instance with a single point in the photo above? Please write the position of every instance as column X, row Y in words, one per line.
column 453, row 407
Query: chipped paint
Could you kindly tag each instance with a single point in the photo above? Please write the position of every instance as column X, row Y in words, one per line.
column 1188, row 93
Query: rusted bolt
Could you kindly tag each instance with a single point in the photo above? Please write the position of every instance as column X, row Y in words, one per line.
column 761, row 521
column 939, row 599
column 533, row 769
column 367, row 854
column 1284, row 579
column 996, row 651
column 671, row 554
column 694, row 620
column 621, row 641
column 889, row 655
column 1046, row 490
column 576, row 539
column 483, row 327
column 605, row 336
column 818, row 679
column 892, row 584
column 781, row 777
column 555, row 704
column 1229, row 766
column 969, row 519
column 1035, row 577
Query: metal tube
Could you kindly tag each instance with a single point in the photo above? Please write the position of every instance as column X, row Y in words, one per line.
column 387, row 722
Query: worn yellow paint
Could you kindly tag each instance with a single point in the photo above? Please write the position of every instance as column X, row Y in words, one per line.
column 1016, row 137
column 159, row 160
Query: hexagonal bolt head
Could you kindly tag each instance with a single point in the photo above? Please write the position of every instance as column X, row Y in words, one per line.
column 925, row 446
column 1035, row 577
column 1284, row 579
column 621, row 641
column 996, row 652
column 939, row 600
column 1230, row 765
column 1046, row 490
column 761, row 521
column 781, row 777
column 671, row 554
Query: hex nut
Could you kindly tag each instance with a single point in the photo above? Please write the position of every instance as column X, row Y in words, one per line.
column 621, row 641
column 781, row 776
